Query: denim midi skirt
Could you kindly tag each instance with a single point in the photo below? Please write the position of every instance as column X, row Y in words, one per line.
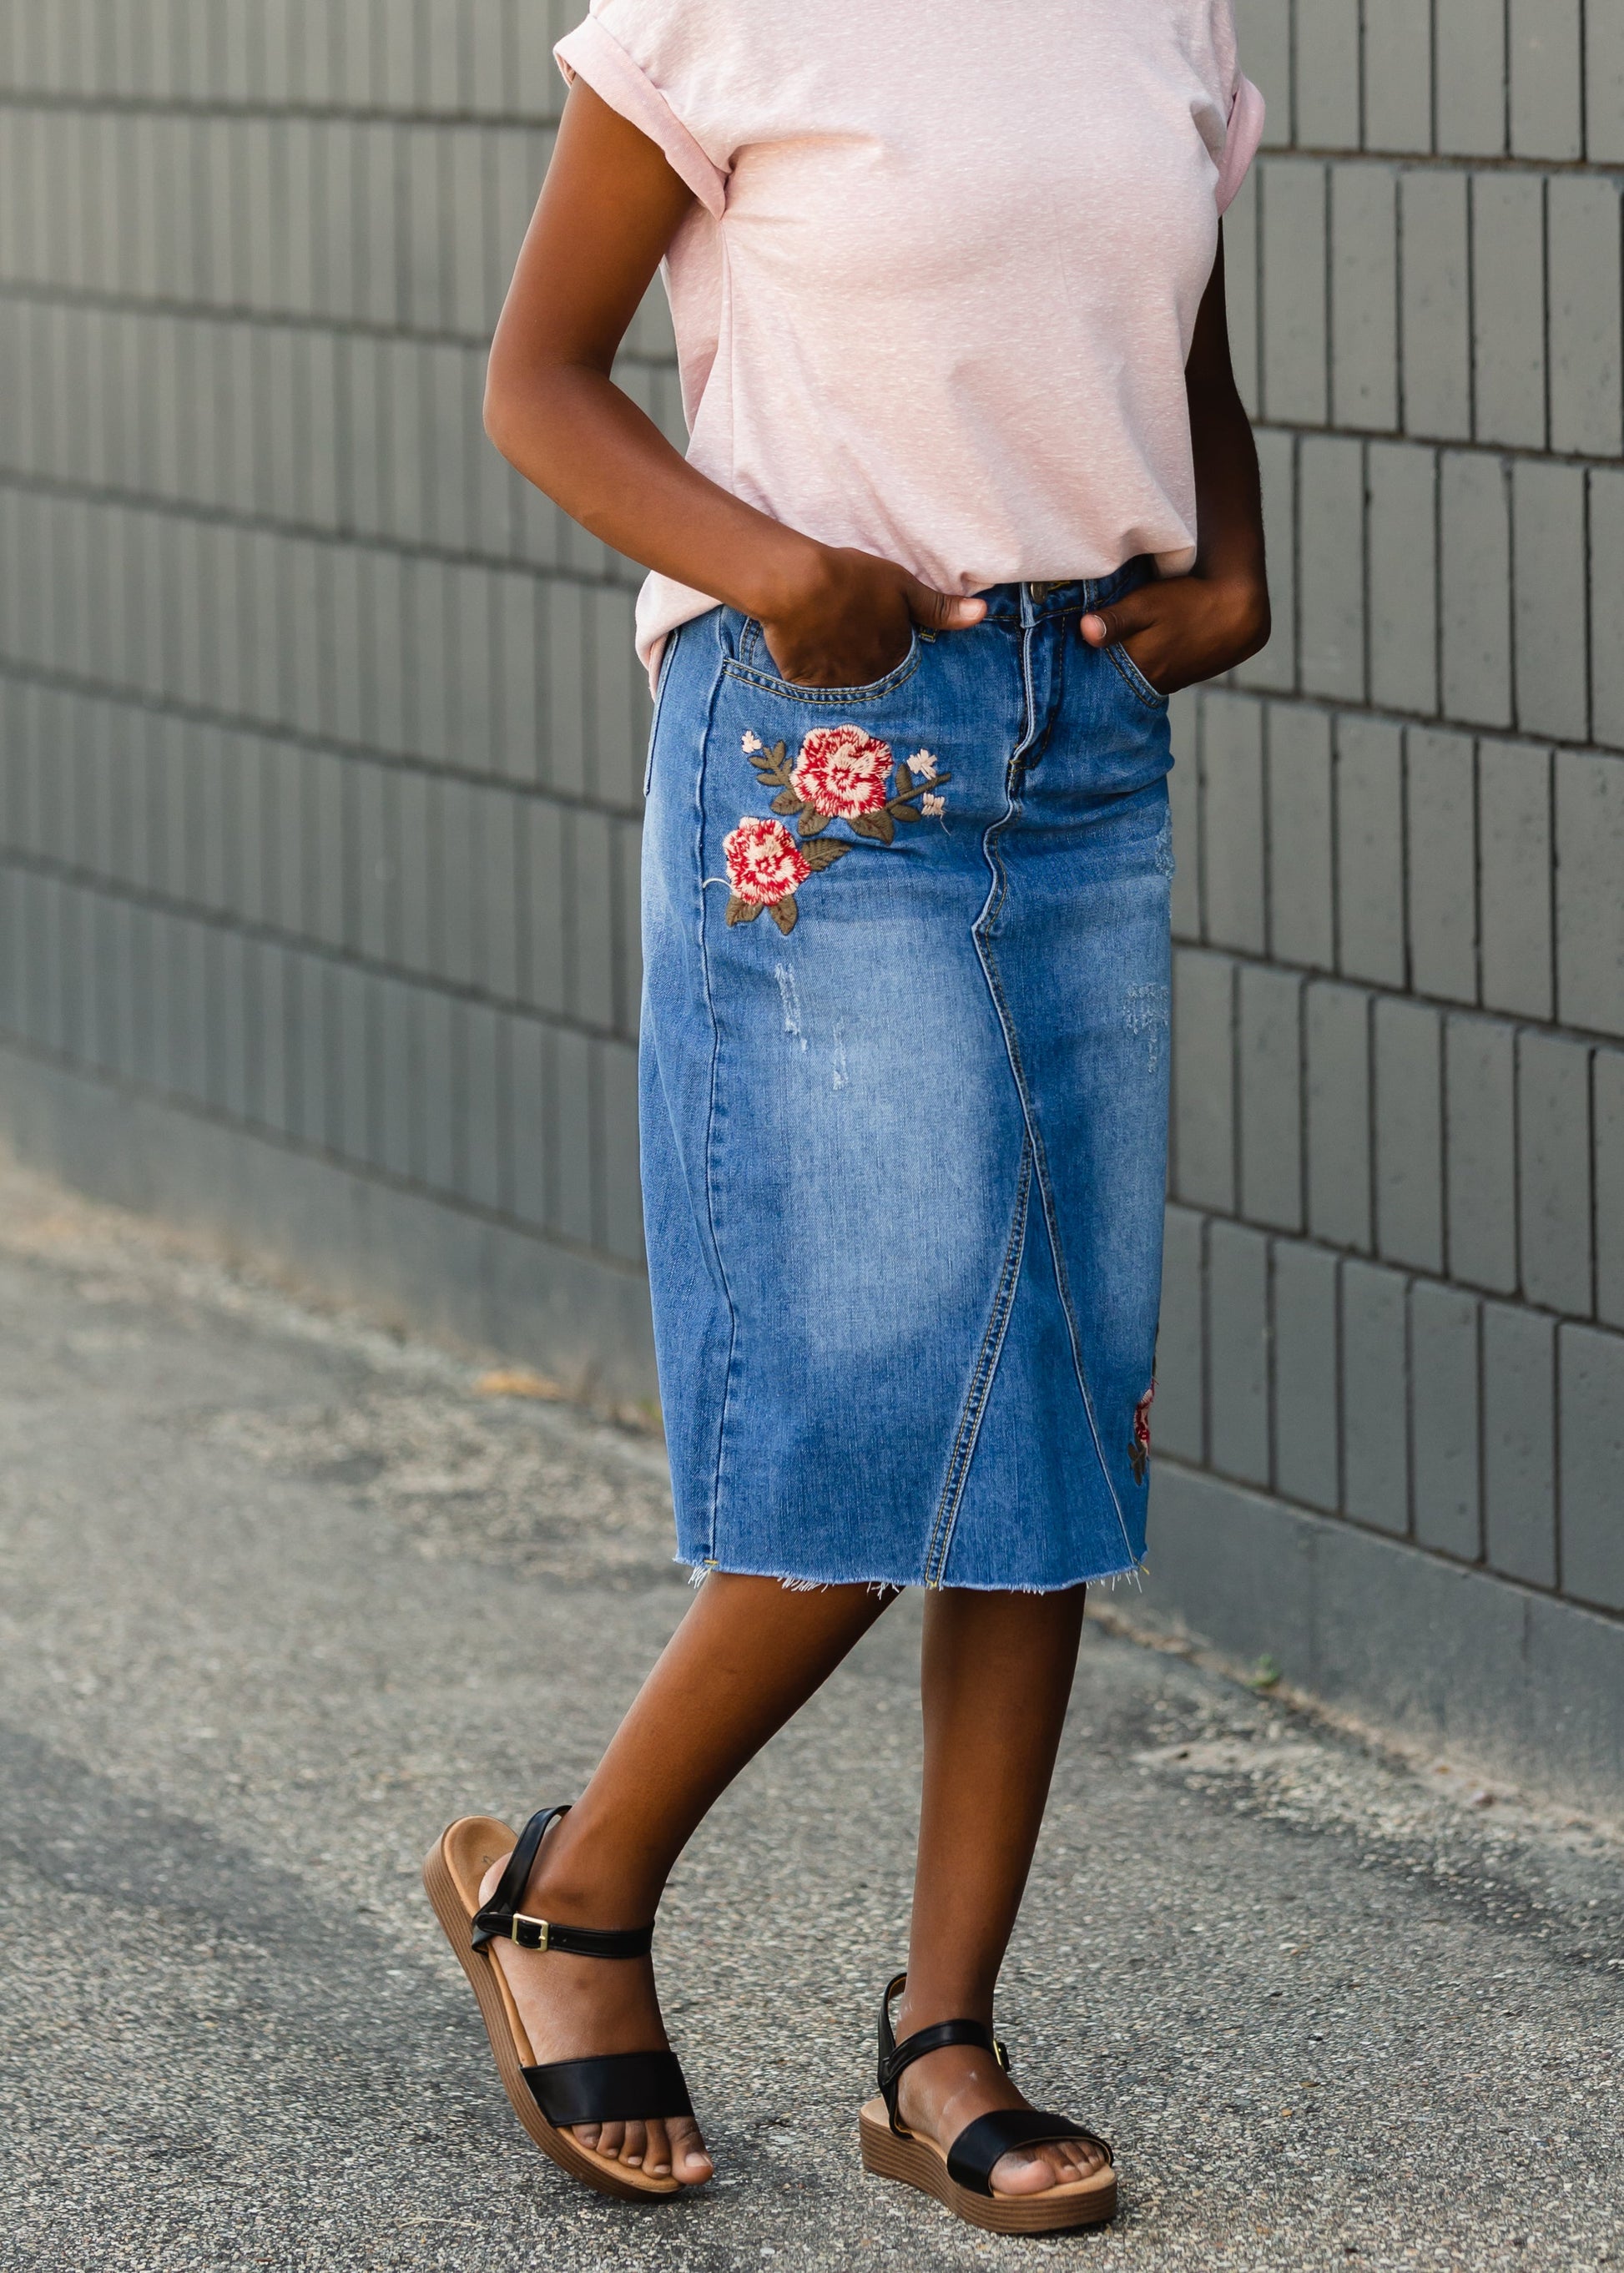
column 904, row 1081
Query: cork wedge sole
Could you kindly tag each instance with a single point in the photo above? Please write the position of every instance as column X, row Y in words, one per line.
column 452, row 1872
column 919, row 2163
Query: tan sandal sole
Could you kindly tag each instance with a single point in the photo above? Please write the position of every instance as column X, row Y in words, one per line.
column 920, row 2163
column 452, row 1872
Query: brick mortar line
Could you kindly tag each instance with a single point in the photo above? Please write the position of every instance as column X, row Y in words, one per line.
column 24, row 293
column 23, row 481
column 269, row 110
column 1441, row 161
column 295, row 738
column 264, row 109
column 1433, row 722
column 1409, row 1271
column 201, row 1111
column 46, row 485
column 20, row 861
column 1456, row 445
column 29, row 291
column 1591, row 1037
column 1401, row 1539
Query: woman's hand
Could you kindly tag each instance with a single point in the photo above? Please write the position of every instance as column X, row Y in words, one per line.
column 1189, row 628
column 846, row 617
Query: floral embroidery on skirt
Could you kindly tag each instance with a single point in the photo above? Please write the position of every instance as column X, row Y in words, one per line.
column 840, row 774
column 1138, row 1452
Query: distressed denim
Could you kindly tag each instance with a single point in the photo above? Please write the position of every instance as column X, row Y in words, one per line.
column 904, row 1079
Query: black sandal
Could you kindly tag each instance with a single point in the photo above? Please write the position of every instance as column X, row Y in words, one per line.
column 962, row 2176
column 616, row 2088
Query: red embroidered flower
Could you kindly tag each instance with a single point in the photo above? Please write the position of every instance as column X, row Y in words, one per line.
column 1138, row 1454
column 841, row 771
column 765, row 863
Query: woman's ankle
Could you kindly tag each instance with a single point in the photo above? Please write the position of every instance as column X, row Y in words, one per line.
column 932, row 2000
column 579, row 1879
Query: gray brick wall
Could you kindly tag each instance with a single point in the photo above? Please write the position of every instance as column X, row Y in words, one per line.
column 321, row 744
column 1399, row 1062
column 321, row 738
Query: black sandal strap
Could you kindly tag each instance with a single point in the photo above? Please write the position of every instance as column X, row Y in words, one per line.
column 502, row 1920
column 895, row 2057
column 615, row 2088
column 974, row 2153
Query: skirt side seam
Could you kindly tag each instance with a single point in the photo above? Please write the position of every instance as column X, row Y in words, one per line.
column 716, row 1051
column 981, row 1380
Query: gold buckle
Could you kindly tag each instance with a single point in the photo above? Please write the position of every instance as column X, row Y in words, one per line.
column 520, row 1919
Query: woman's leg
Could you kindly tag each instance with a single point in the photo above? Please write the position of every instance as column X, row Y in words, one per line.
column 746, row 1657
column 997, row 1677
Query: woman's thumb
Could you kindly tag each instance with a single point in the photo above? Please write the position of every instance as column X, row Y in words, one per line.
column 943, row 612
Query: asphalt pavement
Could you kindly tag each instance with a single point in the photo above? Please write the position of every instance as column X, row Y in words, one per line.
column 280, row 1593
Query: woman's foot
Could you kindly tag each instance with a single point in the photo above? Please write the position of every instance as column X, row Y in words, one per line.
column 942, row 2092
column 576, row 2008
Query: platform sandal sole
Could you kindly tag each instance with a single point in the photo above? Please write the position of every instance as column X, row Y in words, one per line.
column 474, row 1844
column 917, row 2162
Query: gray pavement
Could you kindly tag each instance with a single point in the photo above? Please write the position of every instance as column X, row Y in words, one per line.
column 279, row 1594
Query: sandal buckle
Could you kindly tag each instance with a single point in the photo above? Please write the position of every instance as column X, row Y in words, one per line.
column 538, row 1924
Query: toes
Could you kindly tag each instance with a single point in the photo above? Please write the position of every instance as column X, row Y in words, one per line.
column 611, row 2138
column 1022, row 2174
column 589, row 2134
column 688, row 2159
column 492, row 1878
column 636, row 2143
column 1059, row 2164
column 656, row 2152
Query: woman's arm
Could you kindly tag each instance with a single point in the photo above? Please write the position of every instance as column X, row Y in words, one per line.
column 609, row 208
column 1194, row 627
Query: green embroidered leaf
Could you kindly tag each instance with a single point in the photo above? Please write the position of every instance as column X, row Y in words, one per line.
column 824, row 851
column 867, row 824
column 786, row 801
column 905, row 779
column 813, row 823
column 742, row 910
column 784, row 912
column 901, row 811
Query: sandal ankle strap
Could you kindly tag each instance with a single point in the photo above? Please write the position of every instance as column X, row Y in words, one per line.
column 502, row 1920
column 895, row 2058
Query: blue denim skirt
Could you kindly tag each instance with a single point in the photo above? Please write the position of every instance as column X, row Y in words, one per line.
column 904, row 1082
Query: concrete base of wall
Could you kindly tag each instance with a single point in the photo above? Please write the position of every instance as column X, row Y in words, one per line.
column 1447, row 1656
column 408, row 1259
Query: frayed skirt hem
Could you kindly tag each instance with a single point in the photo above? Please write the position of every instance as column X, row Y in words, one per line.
column 808, row 1582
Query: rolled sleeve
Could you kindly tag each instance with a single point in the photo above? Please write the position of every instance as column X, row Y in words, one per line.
column 1240, row 142
column 591, row 52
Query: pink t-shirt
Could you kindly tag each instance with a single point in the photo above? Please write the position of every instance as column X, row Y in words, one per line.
column 937, row 290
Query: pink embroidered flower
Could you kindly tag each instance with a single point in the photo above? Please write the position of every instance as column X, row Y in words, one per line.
column 1139, row 1452
column 841, row 771
column 765, row 863
column 931, row 806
